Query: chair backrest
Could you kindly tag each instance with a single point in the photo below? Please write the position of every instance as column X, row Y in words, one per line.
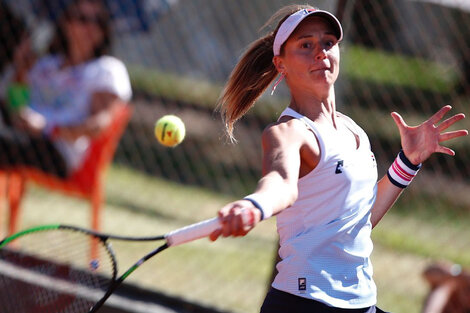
column 87, row 178
column 101, row 152
column 85, row 182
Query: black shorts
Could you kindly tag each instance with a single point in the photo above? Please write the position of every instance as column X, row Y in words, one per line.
column 18, row 149
column 277, row 301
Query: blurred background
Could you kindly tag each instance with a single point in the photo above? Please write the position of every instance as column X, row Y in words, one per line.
column 409, row 56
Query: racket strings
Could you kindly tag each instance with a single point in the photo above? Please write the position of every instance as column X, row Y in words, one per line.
column 54, row 271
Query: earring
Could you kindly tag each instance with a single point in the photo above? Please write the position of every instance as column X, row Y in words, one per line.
column 278, row 82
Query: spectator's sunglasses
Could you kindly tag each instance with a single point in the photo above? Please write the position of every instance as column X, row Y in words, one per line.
column 84, row 18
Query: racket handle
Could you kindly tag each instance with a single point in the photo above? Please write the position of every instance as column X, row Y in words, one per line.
column 192, row 232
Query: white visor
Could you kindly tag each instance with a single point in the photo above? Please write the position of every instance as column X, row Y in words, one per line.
column 291, row 23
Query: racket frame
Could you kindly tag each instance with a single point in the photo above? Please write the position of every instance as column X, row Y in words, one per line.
column 174, row 238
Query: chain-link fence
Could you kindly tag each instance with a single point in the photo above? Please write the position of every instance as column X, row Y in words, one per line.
column 407, row 56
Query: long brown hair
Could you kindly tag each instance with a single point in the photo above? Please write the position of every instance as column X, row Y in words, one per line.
column 253, row 73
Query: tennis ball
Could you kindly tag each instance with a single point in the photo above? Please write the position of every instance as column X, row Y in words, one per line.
column 170, row 130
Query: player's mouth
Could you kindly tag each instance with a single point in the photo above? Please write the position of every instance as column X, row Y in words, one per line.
column 321, row 69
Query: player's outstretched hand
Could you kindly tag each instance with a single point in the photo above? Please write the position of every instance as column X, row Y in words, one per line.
column 419, row 142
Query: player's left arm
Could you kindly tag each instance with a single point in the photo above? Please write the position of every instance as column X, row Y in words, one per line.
column 418, row 144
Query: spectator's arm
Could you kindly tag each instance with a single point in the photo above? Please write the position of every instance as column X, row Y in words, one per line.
column 103, row 107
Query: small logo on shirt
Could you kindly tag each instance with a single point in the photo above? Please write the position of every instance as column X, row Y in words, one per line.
column 302, row 284
column 339, row 167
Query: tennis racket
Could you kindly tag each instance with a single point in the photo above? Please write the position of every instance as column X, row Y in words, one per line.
column 68, row 269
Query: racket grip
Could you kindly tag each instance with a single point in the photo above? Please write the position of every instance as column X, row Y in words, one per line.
column 192, row 232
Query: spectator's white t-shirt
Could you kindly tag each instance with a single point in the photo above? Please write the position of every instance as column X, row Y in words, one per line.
column 63, row 95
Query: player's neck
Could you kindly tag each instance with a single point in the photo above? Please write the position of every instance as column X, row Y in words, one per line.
column 315, row 106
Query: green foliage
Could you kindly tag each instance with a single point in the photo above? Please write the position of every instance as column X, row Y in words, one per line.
column 359, row 63
column 393, row 69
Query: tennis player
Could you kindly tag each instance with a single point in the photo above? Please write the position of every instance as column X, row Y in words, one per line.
column 319, row 173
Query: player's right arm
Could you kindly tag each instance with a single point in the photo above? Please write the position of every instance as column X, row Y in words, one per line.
column 284, row 145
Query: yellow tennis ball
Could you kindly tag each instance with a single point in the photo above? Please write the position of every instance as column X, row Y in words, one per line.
column 170, row 130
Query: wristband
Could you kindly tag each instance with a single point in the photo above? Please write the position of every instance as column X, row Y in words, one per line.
column 254, row 199
column 402, row 171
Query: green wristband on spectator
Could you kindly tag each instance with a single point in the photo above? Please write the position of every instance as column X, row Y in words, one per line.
column 17, row 96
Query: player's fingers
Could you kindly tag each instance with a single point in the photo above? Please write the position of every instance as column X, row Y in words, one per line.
column 248, row 220
column 452, row 135
column 215, row 234
column 445, row 150
column 398, row 120
column 237, row 222
column 225, row 211
column 450, row 121
column 226, row 216
column 439, row 114
column 227, row 220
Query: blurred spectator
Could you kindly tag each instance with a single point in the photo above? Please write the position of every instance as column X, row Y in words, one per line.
column 16, row 59
column 74, row 91
column 449, row 289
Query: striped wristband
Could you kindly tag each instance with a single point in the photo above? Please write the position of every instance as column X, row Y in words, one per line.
column 402, row 171
column 254, row 199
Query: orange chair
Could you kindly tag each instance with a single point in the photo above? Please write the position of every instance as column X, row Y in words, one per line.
column 86, row 182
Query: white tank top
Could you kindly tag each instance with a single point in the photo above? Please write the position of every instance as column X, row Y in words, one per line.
column 325, row 242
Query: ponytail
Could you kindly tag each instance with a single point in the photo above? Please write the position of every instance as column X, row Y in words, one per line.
column 252, row 75
column 248, row 80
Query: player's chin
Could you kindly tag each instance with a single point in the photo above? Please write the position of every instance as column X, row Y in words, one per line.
column 323, row 77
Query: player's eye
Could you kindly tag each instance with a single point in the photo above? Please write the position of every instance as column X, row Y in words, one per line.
column 329, row 44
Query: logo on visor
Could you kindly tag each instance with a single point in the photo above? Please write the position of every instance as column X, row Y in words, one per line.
column 307, row 11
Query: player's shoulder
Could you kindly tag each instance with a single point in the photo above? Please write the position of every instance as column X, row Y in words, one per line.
column 288, row 130
column 346, row 118
column 286, row 125
column 353, row 125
